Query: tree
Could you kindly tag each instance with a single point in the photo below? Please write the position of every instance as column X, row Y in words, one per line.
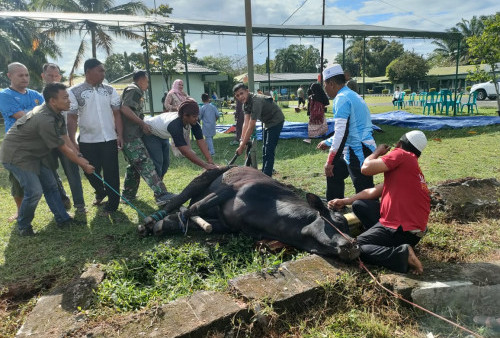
column 408, row 68
column 226, row 66
column 118, row 65
column 297, row 59
column 20, row 41
column 485, row 48
column 379, row 53
column 447, row 49
column 165, row 47
column 98, row 33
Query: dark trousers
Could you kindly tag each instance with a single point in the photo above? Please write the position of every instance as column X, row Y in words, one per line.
column 239, row 117
column 368, row 212
column 104, row 155
column 335, row 186
column 270, row 138
column 387, row 247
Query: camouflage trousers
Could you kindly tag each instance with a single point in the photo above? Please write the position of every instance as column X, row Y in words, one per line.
column 140, row 164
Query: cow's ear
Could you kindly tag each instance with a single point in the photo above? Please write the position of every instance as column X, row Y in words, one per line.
column 316, row 203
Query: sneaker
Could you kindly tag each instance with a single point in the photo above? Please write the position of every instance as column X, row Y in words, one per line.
column 163, row 199
column 69, row 223
column 27, row 232
column 234, row 143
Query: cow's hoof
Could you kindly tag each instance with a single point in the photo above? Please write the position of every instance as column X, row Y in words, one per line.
column 349, row 252
column 141, row 230
column 167, row 226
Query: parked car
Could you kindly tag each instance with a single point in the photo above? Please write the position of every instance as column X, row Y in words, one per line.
column 485, row 90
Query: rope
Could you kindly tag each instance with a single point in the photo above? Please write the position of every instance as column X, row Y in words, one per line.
column 362, row 266
column 123, row 198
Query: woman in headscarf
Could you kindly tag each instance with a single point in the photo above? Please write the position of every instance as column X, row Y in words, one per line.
column 316, row 110
column 175, row 96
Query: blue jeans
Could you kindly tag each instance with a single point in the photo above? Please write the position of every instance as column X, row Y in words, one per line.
column 159, row 152
column 34, row 185
column 270, row 138
column 210, row 144
column 72, row 172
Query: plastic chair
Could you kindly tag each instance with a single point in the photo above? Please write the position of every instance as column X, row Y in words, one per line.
column 411, row 100
column 430, row 101
column 400, row 103
column 470, row 104
column 458, row 102
column 446, row 100
column 421, row 98
column 439, row 100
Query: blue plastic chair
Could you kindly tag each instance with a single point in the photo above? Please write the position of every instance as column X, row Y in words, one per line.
column 431, row 101
column 471, row 103
column 421, row 98
column 400, row 103
column 447, row 100
column 411, row 100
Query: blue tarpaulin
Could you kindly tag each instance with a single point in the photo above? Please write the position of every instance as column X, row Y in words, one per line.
column 394, row 118
column 423, row 122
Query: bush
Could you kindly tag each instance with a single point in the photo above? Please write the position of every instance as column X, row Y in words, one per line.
column 407, row 91
column 385, row 91
column 292, row 97
column 468, row 88
column 432, row 90
column 370, row 91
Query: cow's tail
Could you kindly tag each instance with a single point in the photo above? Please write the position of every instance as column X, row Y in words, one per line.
column 197, row 185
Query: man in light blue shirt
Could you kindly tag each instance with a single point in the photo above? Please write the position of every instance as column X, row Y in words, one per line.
column 208, row 116
column 352, row 138
column 15, row 102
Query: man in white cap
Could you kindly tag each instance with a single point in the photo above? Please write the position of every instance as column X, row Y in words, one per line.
column 404, row 205
column 353, row 136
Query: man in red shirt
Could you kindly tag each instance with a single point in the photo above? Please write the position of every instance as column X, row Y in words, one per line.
column 404, row 206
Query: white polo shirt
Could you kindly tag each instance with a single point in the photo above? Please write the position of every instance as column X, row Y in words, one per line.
column 94, row 106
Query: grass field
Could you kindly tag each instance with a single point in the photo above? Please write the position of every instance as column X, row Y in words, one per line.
column 31, row 266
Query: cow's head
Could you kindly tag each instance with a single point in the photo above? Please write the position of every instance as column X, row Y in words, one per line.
column 332, row 230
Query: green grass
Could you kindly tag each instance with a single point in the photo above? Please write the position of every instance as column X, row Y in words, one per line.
column 29, row 266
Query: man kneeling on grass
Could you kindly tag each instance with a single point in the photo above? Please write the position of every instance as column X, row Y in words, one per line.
column 25, row 153
column 404, row 206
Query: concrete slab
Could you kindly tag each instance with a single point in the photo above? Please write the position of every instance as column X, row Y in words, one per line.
column 53, row 314
column 291, row 284
column 192, row 316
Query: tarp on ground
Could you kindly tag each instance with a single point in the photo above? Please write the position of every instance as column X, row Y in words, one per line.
column 290, row 129
column 394, row 118
column 432, row 122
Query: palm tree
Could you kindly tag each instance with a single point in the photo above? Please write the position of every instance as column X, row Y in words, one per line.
column 20, row 41
column 98, row 35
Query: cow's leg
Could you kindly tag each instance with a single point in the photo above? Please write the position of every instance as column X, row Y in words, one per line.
column 210, row 201
column 198, row 185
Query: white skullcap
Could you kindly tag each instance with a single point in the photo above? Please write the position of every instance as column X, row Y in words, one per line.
column 417, row 139
column 331, row 71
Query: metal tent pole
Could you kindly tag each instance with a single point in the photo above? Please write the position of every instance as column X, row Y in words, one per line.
column 186, row 72
column 150, row 90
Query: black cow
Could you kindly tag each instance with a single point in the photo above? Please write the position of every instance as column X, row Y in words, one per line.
column 244, row 199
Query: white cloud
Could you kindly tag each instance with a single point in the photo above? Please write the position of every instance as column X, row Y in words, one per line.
column 413, row 14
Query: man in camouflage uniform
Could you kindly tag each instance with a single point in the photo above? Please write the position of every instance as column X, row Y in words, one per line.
column 140, row 163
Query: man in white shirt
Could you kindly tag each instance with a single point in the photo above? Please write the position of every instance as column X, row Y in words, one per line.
column 95, row 108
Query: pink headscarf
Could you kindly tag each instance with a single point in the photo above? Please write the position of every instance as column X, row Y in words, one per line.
column 177, row 90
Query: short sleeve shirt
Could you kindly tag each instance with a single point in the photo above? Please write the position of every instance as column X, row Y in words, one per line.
column 12, row 101
column 405, row 198
column 30, row 140
column 175, row 128
column 94, row 106
column 262, row 107
column 132, row 97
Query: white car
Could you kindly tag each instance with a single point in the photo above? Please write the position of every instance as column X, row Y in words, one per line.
column 485, row 90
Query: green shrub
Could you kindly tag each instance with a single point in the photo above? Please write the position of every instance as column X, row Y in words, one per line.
column 432, row 90
column 407, row 91
column 468, row 88
column 385, row 91
column 370, row 91
column 292, row 97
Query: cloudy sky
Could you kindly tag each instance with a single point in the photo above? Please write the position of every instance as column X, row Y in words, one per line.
column 413, row 14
